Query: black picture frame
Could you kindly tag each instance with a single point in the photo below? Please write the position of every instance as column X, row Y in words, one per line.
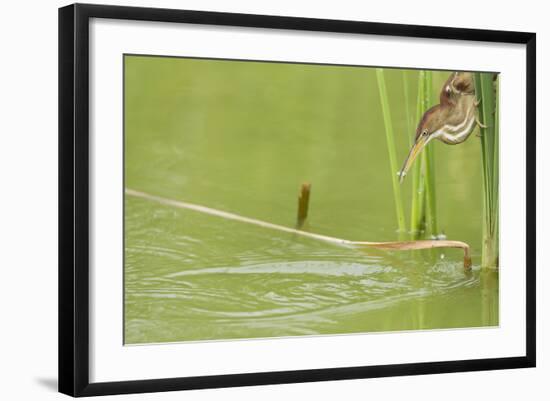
column 74, row 198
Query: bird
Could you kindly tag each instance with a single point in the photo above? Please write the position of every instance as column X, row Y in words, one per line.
column 451, row 121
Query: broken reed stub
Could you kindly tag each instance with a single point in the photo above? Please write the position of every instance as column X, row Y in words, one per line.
column 303, row 204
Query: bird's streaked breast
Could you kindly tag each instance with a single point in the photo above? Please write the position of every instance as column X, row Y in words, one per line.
column 453, row 134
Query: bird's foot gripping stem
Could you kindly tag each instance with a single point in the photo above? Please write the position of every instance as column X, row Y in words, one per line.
column 480, row 123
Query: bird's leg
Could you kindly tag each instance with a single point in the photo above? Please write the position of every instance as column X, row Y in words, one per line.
column 478, row 134
column 476, row 103
column 479, row 123
column 480, row 126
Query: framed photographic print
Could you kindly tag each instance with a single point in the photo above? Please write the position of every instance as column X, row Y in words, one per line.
column 249, row 199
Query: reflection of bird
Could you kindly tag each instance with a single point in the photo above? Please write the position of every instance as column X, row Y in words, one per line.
column 451, row 121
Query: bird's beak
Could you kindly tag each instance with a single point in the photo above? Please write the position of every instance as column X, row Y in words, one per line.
column 420, row 144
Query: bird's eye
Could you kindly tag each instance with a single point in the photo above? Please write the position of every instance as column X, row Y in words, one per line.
column 424, row 133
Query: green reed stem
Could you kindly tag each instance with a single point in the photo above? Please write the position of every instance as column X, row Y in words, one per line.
column 418, row 215
column 424, row 205
column 408, row 124
column 391, row 149
column 488, row 116
column 429, row 157
column 496, row 176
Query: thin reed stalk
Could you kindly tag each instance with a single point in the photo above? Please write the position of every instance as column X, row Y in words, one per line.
column 391, row 245
column 488, row 115
column 429, row 164
column 391, row 150
column 408, row 122
column 424, row 205
column 418, row 215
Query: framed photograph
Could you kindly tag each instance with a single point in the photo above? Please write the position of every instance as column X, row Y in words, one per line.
column 250, row 199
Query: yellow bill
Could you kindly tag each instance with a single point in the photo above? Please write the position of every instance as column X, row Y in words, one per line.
column 420, row 143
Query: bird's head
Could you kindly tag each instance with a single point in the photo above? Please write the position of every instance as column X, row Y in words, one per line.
column 426, row 131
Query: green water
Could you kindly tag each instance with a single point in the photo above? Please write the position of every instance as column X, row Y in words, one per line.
column 242, row 137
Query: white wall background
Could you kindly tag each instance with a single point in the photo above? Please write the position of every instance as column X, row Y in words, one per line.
column 28, row 200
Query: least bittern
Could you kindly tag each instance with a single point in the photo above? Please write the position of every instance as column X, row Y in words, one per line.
column 451, row 121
